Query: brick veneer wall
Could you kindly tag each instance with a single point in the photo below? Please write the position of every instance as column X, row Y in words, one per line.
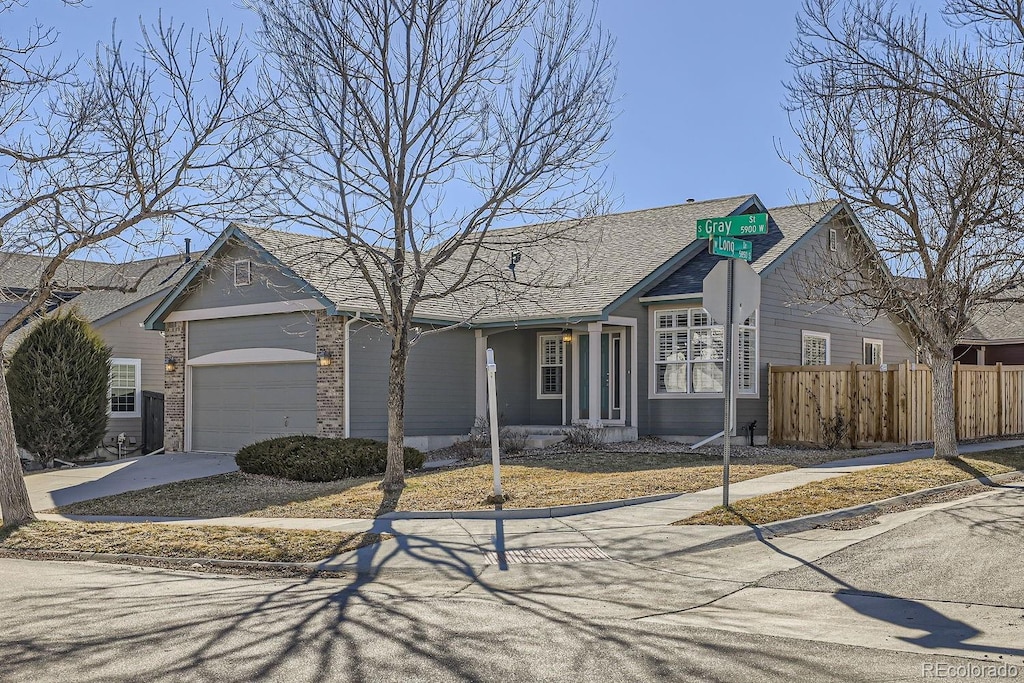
column 174, row 388
column 330, row 379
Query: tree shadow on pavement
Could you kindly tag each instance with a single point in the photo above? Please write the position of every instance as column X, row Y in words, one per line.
column 457, row 622
column 941, row 630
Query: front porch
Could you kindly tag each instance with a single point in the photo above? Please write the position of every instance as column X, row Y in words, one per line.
column 544, row 377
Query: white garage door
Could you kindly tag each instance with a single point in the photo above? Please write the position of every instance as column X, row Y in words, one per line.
column 236, row 405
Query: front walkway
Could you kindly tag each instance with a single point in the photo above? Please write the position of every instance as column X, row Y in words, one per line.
column 636, row 532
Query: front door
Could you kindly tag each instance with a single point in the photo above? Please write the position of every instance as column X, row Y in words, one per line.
column 613, row 376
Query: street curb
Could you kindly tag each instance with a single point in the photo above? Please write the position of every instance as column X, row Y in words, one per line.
column 808, row 522
column 532, row 513
column 185, row 562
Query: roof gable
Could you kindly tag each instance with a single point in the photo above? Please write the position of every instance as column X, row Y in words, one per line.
column 232, row 234
column 787, row 227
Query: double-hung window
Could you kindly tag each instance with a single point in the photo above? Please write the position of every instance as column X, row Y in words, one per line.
column 689, row 353
column 125, row 389
column 550, row 365
column 873, row 352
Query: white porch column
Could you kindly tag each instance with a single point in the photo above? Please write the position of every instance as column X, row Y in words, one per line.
column 594, row 373
column 481, row 374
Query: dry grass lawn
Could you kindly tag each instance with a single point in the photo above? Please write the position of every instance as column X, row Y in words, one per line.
column 539, row 482
column 859, row 488
column 162, row 540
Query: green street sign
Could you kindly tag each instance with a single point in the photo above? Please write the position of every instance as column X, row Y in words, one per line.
column 732, row 247
column 749, row 224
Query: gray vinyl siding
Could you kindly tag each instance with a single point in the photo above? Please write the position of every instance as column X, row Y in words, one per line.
column 128, row 339
column 515, row 354
column 783, row 321
column 780, row 323
column 440, row 383
column 295, row 331
column 215, row 286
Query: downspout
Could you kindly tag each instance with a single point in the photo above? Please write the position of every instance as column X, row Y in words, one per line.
column 347, row 383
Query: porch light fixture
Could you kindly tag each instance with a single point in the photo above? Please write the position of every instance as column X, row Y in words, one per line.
column 170, row 364
column 566, row 336
column 324, row 358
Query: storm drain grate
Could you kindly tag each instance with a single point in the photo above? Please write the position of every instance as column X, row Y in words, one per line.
column 544, row 555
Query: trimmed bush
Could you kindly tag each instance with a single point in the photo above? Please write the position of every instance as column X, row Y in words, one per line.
column 58, row 380
column 314, row 458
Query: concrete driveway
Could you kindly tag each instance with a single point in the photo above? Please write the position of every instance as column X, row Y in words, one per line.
column 50, row 489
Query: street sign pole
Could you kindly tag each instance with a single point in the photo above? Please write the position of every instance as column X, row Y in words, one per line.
column 727, row 381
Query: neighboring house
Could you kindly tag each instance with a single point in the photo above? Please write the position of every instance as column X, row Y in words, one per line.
column 268, row 334
column 115, row 299
column 996, row 336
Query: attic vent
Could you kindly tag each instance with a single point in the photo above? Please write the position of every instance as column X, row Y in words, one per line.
column 833, row 239
column 243, row 273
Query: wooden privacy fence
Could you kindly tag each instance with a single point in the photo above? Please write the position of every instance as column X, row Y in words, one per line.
column 889, row 403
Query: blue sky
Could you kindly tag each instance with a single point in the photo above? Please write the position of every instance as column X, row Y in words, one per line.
column 700, row 85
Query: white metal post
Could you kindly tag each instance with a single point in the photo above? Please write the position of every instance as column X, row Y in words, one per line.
column 492, row 396
column 727, row 383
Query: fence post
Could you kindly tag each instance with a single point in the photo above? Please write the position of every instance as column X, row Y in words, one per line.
column 854, row 405
column 1000, row 408
column 901, row 411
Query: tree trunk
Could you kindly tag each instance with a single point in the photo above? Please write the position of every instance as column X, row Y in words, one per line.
column 15, row 507
column 943, row 409
column 394, row 474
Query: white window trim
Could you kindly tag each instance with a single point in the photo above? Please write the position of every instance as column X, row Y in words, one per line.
column 652, row 370
column 881, row 349
column 540, row 367
column 248, row 273
column 804, row 334
column 137, row 363
column 833, row 239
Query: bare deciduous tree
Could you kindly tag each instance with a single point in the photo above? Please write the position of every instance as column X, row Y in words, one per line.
column 407, row 129
column 920, row 137
column 104, row 155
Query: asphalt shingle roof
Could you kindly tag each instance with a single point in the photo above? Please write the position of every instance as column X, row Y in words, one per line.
column 996, row 322
column 587, row 267
column 100, row 288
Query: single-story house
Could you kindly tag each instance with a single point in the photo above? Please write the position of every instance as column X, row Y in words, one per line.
column 996, row 336
column 267, row 334
column 115, row 299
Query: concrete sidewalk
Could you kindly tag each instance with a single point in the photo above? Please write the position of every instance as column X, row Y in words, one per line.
column 631, row 532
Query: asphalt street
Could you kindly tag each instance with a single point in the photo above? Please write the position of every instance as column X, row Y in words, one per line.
column 934, row 587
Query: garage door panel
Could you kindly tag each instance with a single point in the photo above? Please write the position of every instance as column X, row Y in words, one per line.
column 235, row 405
